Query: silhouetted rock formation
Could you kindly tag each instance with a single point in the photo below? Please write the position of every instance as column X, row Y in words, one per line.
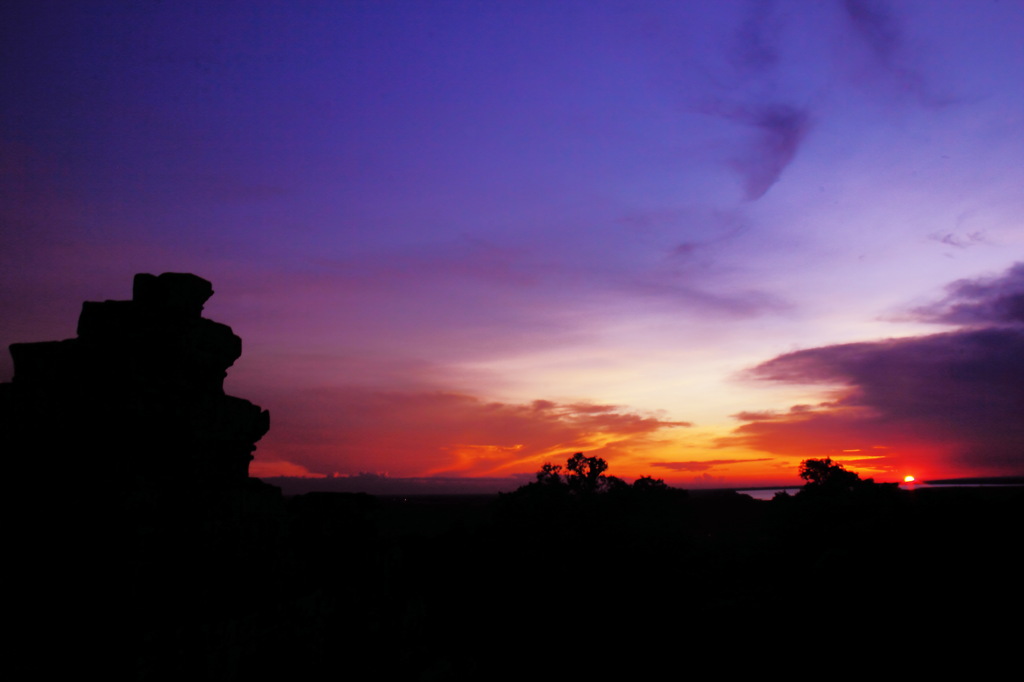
column 132, row 468
column 137, row 397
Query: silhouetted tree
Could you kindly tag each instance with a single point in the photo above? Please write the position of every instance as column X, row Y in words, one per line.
column 549, row 474
column 824, row 474
column 614, row 484
column 587, row 473
column 584, row 476
column 828, row 479
column 648, row 483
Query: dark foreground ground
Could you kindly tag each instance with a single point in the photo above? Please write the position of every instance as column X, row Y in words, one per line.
column 347, row 586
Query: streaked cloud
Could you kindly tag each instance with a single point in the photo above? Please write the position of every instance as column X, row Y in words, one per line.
column 876, row 25
column 705, row 464
column 458, row 209
column 879, row 26
column 780, row 129
column 349, row 430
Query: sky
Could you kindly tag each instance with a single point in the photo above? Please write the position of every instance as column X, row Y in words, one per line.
column 701, row 240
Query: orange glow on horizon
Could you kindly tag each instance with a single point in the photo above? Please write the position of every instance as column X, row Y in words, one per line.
column 513, row 441
column 264, row 469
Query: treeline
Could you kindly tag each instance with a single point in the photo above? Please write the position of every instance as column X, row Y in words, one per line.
column 572, row 575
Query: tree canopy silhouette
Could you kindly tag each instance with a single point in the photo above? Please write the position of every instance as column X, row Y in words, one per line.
column 587, row 473
column 550, row 474
column 828, row 475
column 585, row 476
column 830, row 480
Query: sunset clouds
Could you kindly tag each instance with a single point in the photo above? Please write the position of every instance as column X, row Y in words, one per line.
column 415, row 434
column 936, row 402
column 458, row 239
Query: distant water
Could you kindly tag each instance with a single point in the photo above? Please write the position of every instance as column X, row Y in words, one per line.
column 769, row 493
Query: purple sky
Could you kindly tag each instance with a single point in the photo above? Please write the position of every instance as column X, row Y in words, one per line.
column 465, row 238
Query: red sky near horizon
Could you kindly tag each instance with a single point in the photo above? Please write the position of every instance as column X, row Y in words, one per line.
column 704, row 241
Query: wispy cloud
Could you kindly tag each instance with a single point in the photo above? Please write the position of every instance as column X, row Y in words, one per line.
column 756, row 48
column 778, row 131
column 879, row 28
column 875, row 24
column 349, row 430
column 705, row 464
column 958, row 241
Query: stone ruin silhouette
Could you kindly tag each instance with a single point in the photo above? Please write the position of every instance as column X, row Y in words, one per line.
column 137, row 531
column 138, row 397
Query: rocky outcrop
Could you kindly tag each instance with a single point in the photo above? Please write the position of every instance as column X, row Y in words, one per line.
column 138, row 397
column 137, row 534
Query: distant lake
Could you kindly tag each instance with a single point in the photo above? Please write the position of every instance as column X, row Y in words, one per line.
column 769, row 493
